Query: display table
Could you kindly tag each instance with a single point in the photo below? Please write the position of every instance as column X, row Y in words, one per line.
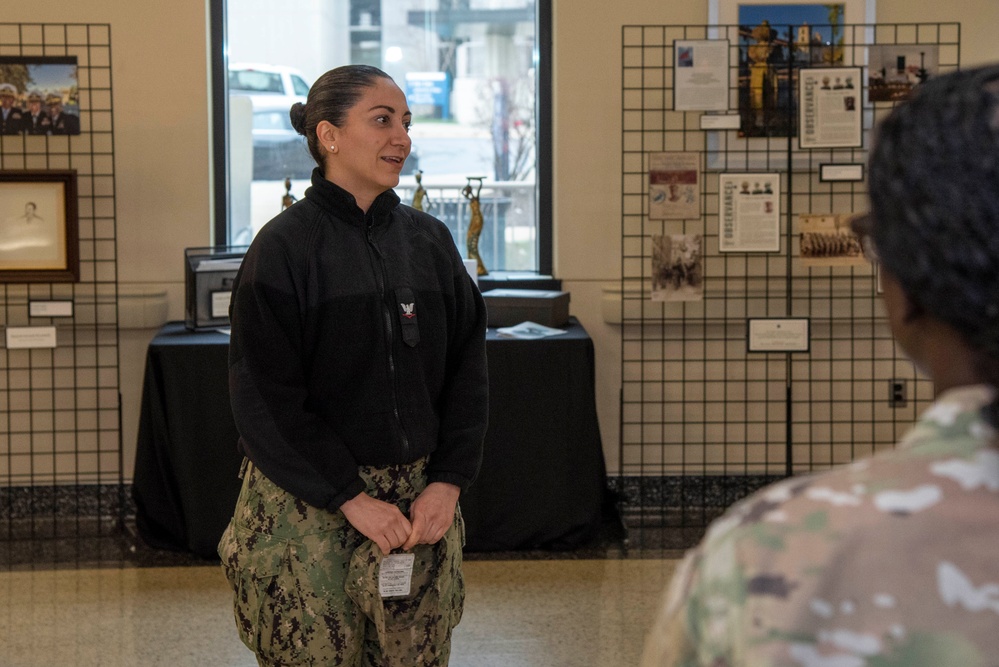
column 541, row 484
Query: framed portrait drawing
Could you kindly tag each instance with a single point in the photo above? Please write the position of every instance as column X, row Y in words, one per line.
column 39, row 227
column 777, row 40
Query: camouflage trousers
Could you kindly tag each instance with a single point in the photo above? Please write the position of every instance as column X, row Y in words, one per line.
column 306, row 581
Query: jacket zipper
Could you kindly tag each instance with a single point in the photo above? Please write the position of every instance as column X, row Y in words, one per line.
column 390, row 333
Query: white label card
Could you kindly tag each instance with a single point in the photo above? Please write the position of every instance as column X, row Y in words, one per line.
column 778, row 335
column 50, row 308
column 30, row 337
column 720, row 121
column 395, row 576
column 220, row 304
column 841, row 172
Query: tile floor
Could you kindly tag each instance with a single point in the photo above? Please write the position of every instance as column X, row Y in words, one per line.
column 113, row 602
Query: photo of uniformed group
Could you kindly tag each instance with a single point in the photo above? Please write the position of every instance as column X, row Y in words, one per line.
column 39, row 96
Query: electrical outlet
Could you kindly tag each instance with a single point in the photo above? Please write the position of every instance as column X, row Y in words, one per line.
column 897, row 395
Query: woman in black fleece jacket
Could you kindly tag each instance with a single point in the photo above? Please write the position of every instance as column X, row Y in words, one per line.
column 358, row 380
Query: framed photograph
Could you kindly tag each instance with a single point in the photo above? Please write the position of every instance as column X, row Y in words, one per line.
column 749, row 215
column 767, row 334
column 39, row 233
column 896, row 69
column 40, row 95
column 674, row 186
column 829, row 108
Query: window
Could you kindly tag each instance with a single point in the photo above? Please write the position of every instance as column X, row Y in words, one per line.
column 477, row 77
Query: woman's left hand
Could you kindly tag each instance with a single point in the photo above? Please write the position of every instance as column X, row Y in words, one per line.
column 432, row 514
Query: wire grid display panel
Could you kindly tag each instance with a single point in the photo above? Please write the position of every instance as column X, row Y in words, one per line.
column 703, row 420
column 59, row 428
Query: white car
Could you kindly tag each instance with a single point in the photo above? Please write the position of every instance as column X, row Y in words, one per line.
column 267, row 80
column 278, row 150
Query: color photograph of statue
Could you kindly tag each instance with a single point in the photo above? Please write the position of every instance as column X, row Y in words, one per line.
column 776, row 40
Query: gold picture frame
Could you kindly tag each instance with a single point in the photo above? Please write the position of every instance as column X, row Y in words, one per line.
column 39, row 226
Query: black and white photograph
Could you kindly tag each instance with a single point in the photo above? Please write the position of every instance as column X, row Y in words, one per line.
column 677, row 270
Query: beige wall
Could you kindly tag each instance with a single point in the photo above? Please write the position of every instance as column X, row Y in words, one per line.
column 162, row 151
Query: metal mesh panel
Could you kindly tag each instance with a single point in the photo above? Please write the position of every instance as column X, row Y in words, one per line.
column 704, row 421
column 60, row 436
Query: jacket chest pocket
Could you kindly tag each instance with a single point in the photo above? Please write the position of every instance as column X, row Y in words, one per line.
column 408, row 320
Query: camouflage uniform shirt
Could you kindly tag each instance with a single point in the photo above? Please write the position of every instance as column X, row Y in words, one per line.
column 892, row 560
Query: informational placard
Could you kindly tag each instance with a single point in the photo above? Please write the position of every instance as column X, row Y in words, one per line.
column 727, row 121
column 701, row 72
column 30, row 337
column 749, row 219
column 674, row 186
column 778, row 334
column 841, row 172
column 830, row 105
column 50, row 308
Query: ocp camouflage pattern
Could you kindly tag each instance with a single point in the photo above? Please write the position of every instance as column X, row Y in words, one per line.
column 892, row 560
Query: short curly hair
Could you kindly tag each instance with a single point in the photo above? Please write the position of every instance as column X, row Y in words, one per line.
column 934, row 191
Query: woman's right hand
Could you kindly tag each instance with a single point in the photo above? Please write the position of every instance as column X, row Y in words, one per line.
column 380, row 522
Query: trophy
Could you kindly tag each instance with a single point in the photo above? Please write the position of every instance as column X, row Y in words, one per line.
column 475, row 223
column 288, row 199
column 421, row 193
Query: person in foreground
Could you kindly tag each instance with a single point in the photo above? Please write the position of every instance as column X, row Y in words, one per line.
column 889, row 560
column 357, row 375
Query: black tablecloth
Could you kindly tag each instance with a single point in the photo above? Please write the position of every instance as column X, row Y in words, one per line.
column 542, row 479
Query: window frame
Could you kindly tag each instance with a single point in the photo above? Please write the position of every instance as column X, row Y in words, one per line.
column 220, row 130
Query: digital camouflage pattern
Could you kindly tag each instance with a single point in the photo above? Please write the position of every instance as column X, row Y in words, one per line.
column 306, row 582
column 893, row 560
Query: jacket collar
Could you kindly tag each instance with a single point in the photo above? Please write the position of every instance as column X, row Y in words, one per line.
column 341, row 204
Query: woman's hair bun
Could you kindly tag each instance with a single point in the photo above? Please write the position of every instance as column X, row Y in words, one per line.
column 297, row 115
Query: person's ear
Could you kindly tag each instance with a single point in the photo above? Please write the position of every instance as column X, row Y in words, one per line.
column 327, row 133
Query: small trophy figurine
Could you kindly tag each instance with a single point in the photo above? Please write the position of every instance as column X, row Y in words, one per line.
column 475, row 223
column 288, row 199
column 421, row 193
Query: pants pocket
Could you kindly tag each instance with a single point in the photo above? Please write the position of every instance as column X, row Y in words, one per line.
column 267, row 604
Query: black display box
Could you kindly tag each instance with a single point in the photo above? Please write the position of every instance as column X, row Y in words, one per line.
column 208, row 278
column 508, row 307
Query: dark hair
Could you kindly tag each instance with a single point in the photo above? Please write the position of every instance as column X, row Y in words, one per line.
column 934, row 189
column 330, row 98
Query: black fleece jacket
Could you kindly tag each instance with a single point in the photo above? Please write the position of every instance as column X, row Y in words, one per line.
column 357, row 339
